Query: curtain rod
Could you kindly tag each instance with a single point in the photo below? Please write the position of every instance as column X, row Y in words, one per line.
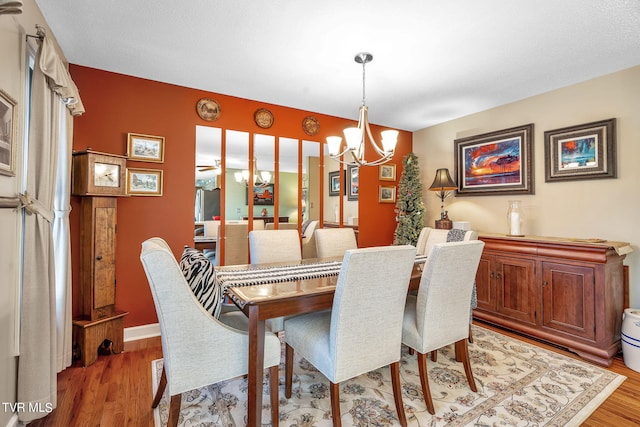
column 40, row 33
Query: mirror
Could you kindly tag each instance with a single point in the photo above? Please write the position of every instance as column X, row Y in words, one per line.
column 310, row 195
column 263, row 193
column 236, row 175
column 208, row 170
column 299, row 183
column 288, row 206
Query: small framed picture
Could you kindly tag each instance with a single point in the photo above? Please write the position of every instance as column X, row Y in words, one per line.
column 334, row 184
column 144, row 182
column 387, row 173
column 387, row 194
column 145, row 148
column 262, row 195
column 352, row 184
column 586, row 151
column 7, row 134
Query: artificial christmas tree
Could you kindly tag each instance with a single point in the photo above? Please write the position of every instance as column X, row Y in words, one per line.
column 409, row 207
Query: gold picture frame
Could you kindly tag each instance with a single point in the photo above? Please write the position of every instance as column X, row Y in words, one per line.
column 8, row 116
column 387, row 194
column 145, row 148
column 144, row 182
column 387, row 173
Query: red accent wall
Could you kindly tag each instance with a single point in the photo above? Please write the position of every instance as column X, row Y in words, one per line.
column 117, row 104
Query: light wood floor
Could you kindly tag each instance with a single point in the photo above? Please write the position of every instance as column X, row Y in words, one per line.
column 116, row 391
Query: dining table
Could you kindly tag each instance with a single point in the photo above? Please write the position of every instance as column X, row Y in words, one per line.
column 271, row 299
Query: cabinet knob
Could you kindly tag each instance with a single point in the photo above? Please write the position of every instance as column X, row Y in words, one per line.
column 492, row 275
column 499, row 275
column 545, row 283
column 99, row 257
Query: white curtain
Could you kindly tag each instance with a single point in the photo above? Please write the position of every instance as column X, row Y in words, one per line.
column 62, row 242
column 45, row 327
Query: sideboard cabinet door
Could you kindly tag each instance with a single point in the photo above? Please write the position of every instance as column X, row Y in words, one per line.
column 568, row 299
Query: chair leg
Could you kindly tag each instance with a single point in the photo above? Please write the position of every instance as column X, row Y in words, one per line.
column 424, row 382
column 434, row 355
column 273, row 390
column 470, row 334
column 334, row 391
column 174, row 410
column 160, row 391
column 411, row 351
column 397, row 393
column 462, row 350
column 288, row 371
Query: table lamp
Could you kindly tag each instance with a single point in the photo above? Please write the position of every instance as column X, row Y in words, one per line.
column 444, row 185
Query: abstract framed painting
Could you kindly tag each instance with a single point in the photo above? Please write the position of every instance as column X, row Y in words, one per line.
column 334, row 183
column 586, row 151
column 495, row 163
column 353, row 174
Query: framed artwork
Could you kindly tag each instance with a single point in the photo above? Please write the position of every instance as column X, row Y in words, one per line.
column 585, row 151
column 353, row 173
column 145, row 148
column 387, row 194
column 144, row 182
column 334, row 184
column 495, row 163
column 7, row 134
column 387, row 173
column 262, row 195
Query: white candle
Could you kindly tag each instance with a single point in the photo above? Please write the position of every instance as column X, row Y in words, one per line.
column 515, row 224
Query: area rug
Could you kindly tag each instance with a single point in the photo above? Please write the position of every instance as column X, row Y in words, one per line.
column 518, row 385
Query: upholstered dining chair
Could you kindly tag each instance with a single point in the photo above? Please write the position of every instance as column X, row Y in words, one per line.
column 333, row 242
column 429, row 237
column 309, row 240
column 268, row 246
column 439, row 314
column 198, row 350
column 236, row 244
column 358, row 334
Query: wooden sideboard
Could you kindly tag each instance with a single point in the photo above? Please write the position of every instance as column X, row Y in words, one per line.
column 268, row 219
column 565, row 291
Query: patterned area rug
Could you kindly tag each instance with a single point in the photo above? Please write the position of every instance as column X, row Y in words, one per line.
column 518, row 385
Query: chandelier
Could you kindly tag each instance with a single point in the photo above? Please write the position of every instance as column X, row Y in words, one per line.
column 260, row 178
column 356, row 137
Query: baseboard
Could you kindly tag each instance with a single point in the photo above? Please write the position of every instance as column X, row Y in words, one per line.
column 140, row 332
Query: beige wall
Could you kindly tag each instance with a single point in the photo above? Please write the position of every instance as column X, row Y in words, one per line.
column 605, row 208
column 13, row 30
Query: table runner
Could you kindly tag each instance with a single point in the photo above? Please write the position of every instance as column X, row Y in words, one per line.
column 230, row 276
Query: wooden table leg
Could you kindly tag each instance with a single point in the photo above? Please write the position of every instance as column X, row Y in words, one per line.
column 256, row 368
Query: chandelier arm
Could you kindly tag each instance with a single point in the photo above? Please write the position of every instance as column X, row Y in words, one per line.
column 375, row 145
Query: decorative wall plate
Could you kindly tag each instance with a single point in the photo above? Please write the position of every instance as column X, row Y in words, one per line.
column 263, row 118
column 208, row 109
column 310, row 125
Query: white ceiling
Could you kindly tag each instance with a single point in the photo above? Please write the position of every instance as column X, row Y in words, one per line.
column 433, row 60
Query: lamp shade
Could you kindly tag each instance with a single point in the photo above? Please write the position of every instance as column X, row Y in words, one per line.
column 443, row 181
